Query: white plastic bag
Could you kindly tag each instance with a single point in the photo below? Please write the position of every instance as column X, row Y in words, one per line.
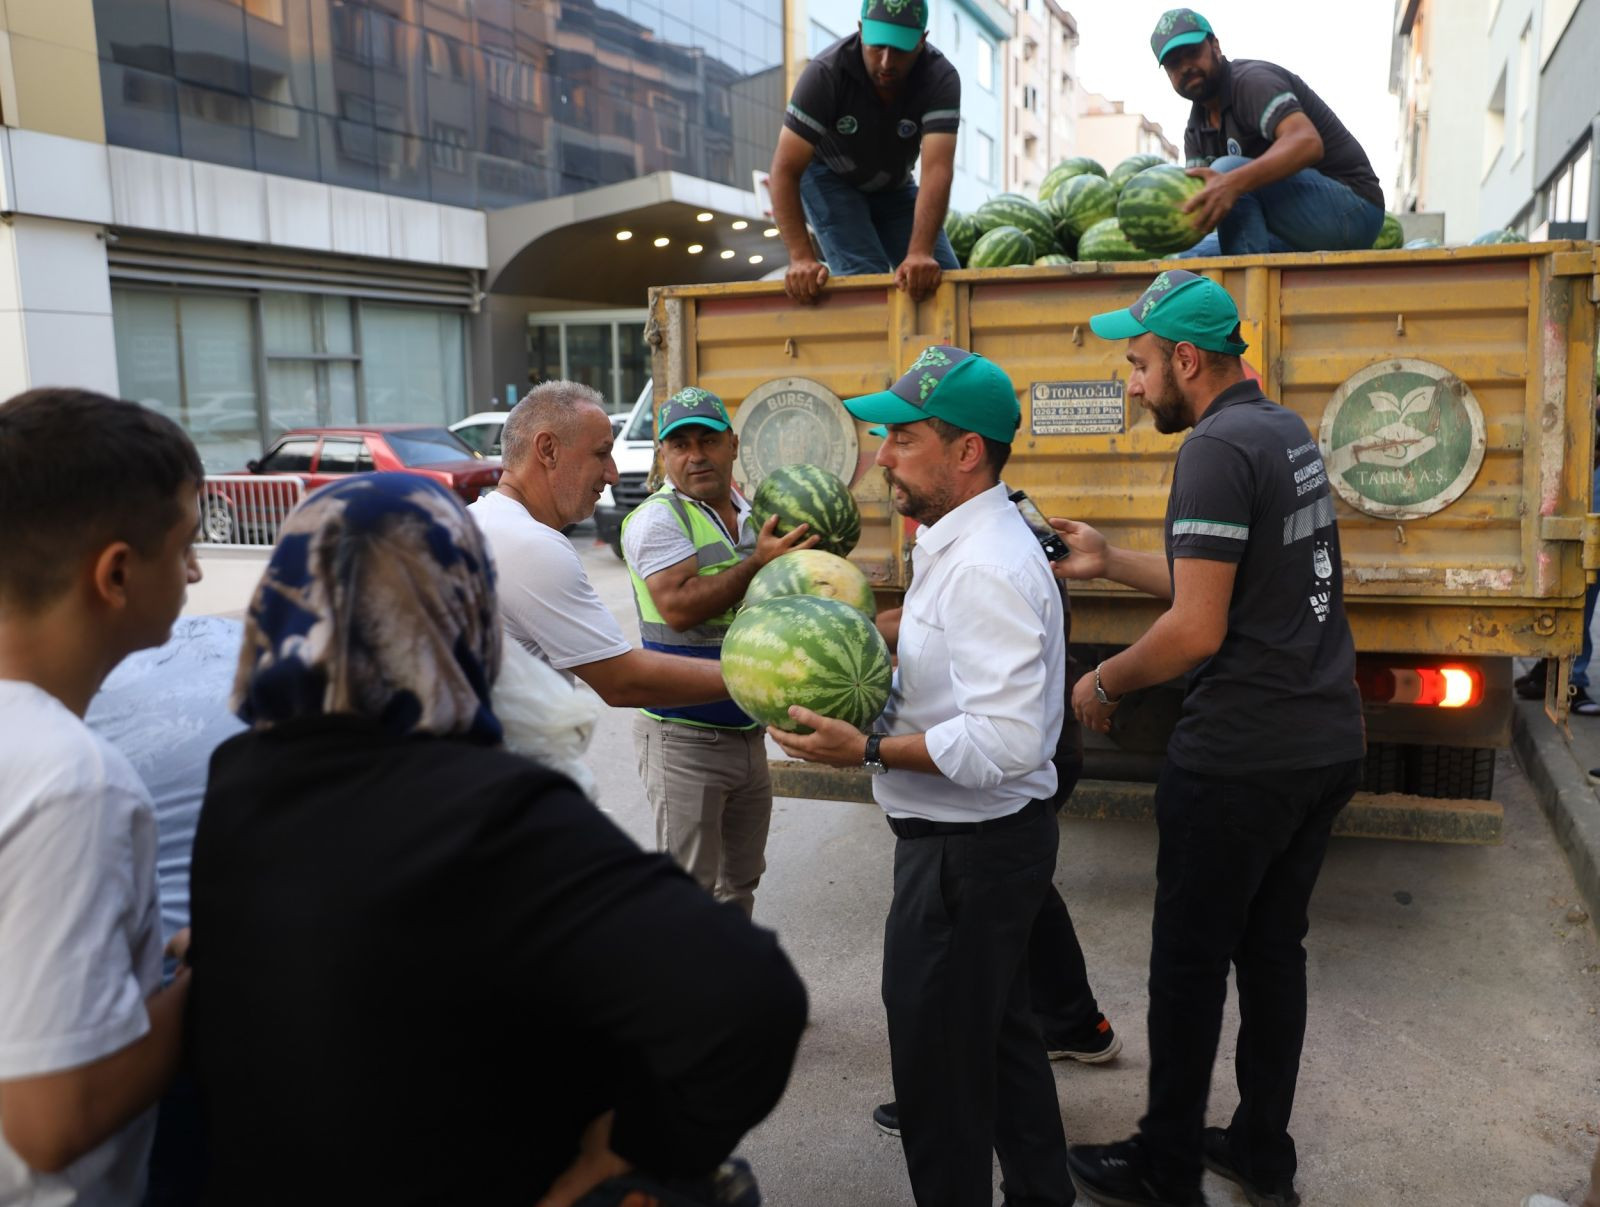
column 545, row 718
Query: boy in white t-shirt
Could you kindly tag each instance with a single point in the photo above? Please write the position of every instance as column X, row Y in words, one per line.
column 88, row 1040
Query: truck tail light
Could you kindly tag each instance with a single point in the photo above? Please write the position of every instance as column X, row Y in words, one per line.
column 1424, row 686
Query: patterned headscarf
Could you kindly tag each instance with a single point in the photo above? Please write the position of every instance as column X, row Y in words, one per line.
column 379, row 602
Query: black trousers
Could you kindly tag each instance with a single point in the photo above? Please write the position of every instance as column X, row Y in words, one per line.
column 970, row 1072
column 1239, row 856
column 1058, row 981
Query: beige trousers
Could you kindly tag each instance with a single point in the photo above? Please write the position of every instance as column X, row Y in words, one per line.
column 711, row 795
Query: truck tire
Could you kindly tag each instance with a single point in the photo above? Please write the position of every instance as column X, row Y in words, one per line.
column 1454, row 772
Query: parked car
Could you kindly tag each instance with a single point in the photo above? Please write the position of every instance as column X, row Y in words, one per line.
column 481, row 431
column 238, row 509
column 634, row 453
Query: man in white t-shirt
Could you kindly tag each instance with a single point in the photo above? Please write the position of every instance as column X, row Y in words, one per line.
column 88, row 1040
column 557, row 460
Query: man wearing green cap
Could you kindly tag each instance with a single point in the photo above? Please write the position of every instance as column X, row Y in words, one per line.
column 1282, row 172
column 691, row 551
column 964, row 750
column 861, row 113
column 1269, row 746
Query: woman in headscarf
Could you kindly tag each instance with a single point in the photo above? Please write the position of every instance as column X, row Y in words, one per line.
column 427, row 970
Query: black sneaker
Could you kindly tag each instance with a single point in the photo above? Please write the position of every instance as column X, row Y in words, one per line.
column 886, row 1118
column 1530, row 686
column 1117, row 1175
column 1093, row 1045
column 1582, row 705
column 1218, row 1158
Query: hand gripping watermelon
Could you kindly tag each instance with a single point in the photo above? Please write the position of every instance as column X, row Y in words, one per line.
column 809, row 494
column 1080, row 203
column 811, row 572
column 1131, row 167
column 1150, row 210
column 1030, row 219
column 962, row 230
column 798, row 649
column 1105, row 241
column 1003, row 247
column 1390, row 236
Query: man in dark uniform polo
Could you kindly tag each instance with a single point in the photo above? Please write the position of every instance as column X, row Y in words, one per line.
column 1282, row 173
column 1269, row 747
column 861, row 113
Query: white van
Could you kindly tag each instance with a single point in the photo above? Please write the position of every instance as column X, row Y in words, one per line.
column 634, row 453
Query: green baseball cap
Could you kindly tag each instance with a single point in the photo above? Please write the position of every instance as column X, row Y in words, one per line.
column 692, row 405
column 964, row 389
column 897, row 23
column 1178, row 27
column 1181, row 306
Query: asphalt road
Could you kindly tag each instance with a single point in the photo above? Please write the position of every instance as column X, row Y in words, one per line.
column 1452, row 1052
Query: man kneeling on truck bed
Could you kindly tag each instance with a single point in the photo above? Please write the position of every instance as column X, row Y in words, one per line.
column 1269, row 748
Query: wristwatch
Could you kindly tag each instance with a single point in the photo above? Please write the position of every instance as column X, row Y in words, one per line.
column 1100, row 692
column 872, row 760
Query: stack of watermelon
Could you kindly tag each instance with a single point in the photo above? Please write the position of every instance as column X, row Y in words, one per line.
column 1131, row 167
column 1390, row 236
column 1497, row 236
column 1078, row 203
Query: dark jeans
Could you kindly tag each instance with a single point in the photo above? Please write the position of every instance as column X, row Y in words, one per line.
column 1238, row 858
column 1580, row 669
column 178, row 1159
column 970, row 1072
column 1304, row 212
column 863, row 232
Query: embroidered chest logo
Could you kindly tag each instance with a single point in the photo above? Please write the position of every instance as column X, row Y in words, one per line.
column 1233, row 147
column 846, row 125
column 907, row 128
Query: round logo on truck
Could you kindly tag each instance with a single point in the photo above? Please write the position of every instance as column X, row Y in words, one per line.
column 1402, row 439
column 794, row 421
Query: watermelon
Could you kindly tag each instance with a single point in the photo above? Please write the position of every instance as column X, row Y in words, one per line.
column 1105, row 241
column 1010, row 210
column 962, row 230
column 1080, row 203
column 1052, row 260
column 809, row 494
column 1003, row 247
column 1131, row 167
column 1078, row 165
column 1421, row 244
column 800, row 649
column 1150, row 210
column 1390, row 236
column 811, row 572
column 1497, row 236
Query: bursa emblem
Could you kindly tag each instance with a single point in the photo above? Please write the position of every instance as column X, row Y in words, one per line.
column 907, row 128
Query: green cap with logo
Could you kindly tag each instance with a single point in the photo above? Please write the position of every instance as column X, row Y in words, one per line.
column 692, row 405
column 1178, row 27
column 964, row 389
column 896, row 23
column 1181, row 306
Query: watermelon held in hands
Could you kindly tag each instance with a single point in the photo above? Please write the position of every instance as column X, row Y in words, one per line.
column 1105, row 241
column 810, row 495
column 1080, row 203
column 1150, row 210
column 1003, row 247
column 1030, row 219
column 1131, row 167
column 963, row 231
column 812, row 572
column 800, row 649
column 1390, row 236
column 1497, row 236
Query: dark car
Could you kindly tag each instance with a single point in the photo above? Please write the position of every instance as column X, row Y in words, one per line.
column 239, row 509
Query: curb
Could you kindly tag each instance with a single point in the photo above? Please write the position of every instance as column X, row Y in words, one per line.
column 1561, row 784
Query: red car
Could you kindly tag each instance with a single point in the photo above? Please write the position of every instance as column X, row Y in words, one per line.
column 237, row 509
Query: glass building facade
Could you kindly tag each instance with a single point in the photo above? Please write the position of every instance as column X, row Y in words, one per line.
column 482, row 103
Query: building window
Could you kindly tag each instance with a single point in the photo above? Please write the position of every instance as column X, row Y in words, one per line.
column 984, row 153
column 955, row 31
column 1519, row 131
column 985, row 63
column 1030, row 98
column 604, row 349
column 821, row 37
column 1494, row 129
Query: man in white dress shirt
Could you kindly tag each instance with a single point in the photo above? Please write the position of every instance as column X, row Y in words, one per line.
column 965, row 755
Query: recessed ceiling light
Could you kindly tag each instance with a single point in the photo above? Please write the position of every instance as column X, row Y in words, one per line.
column 662, row 241
column 696, row 248
column 771, row 232
column 740, row 225
column 704, row 216
column 624, row 236
column 755, row 259
column 728, row 255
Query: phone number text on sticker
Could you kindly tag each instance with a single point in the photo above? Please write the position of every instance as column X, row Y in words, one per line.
column 1077, row 408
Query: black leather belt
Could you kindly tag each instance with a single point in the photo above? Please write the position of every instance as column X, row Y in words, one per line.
column 919, row 827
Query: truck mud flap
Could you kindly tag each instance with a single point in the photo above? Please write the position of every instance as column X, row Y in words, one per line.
column 1369, row 815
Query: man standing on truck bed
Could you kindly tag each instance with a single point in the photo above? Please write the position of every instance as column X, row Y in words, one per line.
column 861, row 112
column 692, row 550
column 1269, row 747
column 1282, row 173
